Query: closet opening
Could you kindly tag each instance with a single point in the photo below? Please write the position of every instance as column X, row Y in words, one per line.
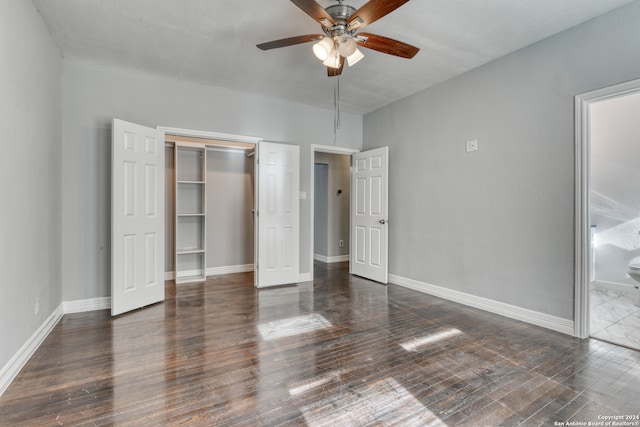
column 209, row 207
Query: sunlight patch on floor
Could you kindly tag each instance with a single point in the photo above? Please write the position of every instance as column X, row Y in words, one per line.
column 416, row 343
column 291, row 326
column 315, row 383
column 383, row 402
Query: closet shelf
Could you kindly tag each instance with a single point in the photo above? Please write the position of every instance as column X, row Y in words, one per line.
column 190, row 216
column 186, row 251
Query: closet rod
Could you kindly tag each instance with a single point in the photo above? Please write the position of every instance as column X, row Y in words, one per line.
column 209, row 141
column 219, row 147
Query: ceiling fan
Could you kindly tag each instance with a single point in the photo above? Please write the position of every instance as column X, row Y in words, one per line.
column 340, row 24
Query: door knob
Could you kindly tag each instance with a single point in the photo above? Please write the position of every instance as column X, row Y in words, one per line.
column 383, row 221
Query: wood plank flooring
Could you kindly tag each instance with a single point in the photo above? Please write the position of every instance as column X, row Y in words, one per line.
column 338, row 351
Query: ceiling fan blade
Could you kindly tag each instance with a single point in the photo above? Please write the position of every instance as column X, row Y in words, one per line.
column 314, row 10
column 290, row 41
column 387, row 45
column 374, row 10
column 333, row 72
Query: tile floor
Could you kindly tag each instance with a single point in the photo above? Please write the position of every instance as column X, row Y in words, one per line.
column 615, row 317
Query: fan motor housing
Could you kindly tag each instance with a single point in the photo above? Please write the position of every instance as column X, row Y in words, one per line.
column 340, row 12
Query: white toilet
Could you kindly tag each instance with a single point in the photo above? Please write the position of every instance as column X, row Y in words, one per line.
column 633, row 270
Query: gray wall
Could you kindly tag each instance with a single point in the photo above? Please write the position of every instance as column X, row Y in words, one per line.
column 230, row 199
column 320, row 208
column 30, row 163
column 94, row 93
column 615, row 190
column 338, row 205
column 498, row 223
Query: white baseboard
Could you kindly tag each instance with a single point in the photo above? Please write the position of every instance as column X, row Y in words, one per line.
column 548, row 321
column 90, row 304
column 17, row 362
column 304, row 277
column 229, row 269
column 213, row 271
column 330, row 259
column 622, row 287
column 186, row 273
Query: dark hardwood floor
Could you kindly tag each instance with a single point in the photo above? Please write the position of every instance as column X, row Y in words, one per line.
column 339, row 351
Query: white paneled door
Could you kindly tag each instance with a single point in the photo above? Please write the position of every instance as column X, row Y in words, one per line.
column 369, row 208
column 137, row 216
column 278, row 214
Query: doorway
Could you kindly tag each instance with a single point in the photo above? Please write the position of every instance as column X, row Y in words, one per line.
column 614, row 209
column 229, row 199
column 331, row 207
column 607, row 220
column 330, row 204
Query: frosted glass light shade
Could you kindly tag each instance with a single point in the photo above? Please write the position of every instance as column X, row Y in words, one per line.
column 354, row 57
column 333, row 60
column 347, row 45
column 322, row 49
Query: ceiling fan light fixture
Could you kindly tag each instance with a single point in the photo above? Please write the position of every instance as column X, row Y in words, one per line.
column 354, row 57
column 338, row 42
column 333, row 60
column 323, row 48
column 346, row 45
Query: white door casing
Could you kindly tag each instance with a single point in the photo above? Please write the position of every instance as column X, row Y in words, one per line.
column 278, row 214
column 137, row 216
column 582, row 219
column 369, row 209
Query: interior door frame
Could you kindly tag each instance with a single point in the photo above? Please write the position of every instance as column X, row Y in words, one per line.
column 321, row 149
column 219, row 136
column 582, row 243
column 210, row 135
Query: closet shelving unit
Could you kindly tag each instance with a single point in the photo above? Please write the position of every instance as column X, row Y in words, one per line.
column 190, row 211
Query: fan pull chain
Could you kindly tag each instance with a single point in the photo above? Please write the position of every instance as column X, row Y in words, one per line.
column 336, row 109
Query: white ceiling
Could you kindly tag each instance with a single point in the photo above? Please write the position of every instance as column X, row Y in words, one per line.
column 214, row 42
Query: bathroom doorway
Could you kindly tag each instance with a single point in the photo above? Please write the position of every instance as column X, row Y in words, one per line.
column 613, row 213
